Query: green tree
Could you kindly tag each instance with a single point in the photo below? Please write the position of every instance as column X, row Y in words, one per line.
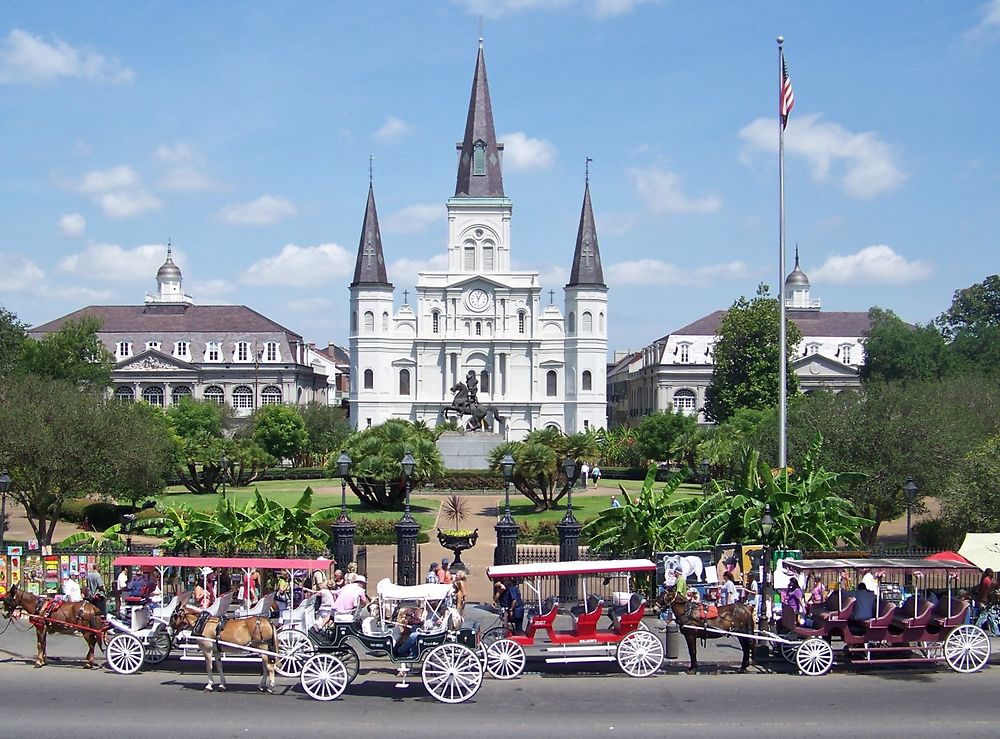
column 658, row 432
column 376, row 455
column 327, row 427
column 190, row 417
column 60, row 442
column 970, row 501
column 747, row 357
column 12, row 340
column 972, row 327
column 73, row 353
column 896, row 350
column 280, row 431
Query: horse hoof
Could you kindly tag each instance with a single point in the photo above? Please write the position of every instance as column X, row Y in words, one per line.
column 88, row 666
column 742, row 671
column 209, row 688
column 38, row 664
column 270, row 690
column 221, row 688
column 690, row 672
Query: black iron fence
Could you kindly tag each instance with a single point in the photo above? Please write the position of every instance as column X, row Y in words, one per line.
column 613, row 588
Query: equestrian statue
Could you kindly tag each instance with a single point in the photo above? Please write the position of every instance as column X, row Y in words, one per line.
column 466, row 403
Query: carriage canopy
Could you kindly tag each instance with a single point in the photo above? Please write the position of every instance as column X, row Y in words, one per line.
column 572, row 567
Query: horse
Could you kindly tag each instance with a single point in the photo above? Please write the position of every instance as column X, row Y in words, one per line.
column 734, row 619
column 75, row 619
column 255, row 632
column 462, row 405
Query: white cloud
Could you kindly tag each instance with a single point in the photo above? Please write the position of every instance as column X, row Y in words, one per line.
column 184, row 169
column 860, row 163
column 20, row 274
column 874, row 264
column 597, row 8
column 990, row 21
column 72, row 224
column 301, row 266
column 611, row 8
column 407, row 268
column 26, row 58
column 210, row 292
column 118, row 191
column 413, row 218
column 392, row 130
column 657, row 272
column 661, row 191
column 552, row 277
column 524, row 154
column 111, row 262
column 264, row 211
column 309, row 305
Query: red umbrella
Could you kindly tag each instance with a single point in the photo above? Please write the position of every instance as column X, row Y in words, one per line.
column 948, row 556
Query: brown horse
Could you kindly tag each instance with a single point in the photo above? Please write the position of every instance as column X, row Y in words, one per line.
column 735, row 619
column 255, row 632
column 75, row 619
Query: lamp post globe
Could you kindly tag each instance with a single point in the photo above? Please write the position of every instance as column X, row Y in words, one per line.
column 766, row 526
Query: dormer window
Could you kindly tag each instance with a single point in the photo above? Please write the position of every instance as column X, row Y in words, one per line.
column 124, row 349
column 479, row 157
column 242, row 351
column 685, row 353
column 182, row 350
column 213, row 351
column 271, row 353
column 152, row 345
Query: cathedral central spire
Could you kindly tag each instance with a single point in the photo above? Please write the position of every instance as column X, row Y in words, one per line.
column 369, row 269
column 479, row 171
column 587, row 268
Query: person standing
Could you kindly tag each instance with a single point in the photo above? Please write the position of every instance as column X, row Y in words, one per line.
column 95, row 591
column 432, row 574
column 728, row 596
column 584, row 474
column 460, row 593
column 512, row 603
column 595, row 475
column 444, row 574
column 615, row 503
column 121, row 584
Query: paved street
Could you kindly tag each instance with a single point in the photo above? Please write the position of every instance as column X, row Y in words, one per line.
column 64, row 699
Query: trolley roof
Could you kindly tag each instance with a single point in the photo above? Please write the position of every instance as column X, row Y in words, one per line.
column 389, row 590
column 572, row 567
column 242, row 563
column 924, row 565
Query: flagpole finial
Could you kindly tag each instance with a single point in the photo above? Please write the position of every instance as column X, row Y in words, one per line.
column 781, row 40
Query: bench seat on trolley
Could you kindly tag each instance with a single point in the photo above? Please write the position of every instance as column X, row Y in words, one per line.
column 873, row 629
column 543, row 621
column 629, row 620
column 948, row 614
column 837, row 607
column 585, row 626
column 261, row 608
column 911, row 619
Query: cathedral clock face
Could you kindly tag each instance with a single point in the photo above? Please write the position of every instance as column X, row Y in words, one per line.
column 478, row 300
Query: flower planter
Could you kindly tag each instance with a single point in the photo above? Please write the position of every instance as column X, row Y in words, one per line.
column 458, row 543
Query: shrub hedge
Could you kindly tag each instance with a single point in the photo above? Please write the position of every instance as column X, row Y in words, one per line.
column 468, row 480
column 100, row 515
column 374, row 531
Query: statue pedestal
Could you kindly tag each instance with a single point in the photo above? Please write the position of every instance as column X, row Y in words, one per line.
column 468, row 451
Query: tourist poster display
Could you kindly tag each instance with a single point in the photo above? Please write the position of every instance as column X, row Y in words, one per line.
column 3, row 575
column 52, row 580
column 30, row 573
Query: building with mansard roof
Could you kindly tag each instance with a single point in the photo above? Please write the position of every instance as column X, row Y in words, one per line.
column 537, row 365
column 169, row 348
column 675, row 370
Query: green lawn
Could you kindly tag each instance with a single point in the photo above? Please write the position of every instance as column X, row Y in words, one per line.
column 287, row 492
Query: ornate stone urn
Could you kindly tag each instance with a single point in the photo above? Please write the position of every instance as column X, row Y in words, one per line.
column 458, row 542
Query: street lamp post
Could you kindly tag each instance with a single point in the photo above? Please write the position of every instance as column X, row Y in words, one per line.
column 343, row 529
column 4, row 487
column 223, row 470
column 766, row 524
column 703, row 468
column 128, row 521
column 407, row 530
column 910, row 488
column 506, row 528
column 569, row 536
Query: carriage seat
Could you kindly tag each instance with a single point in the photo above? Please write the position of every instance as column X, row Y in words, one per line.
column 874, row 629
column 958, row 608
column 373, row 627
column 837, row 607
column 221, row 605
column 545, row 619
column 587, row 607
column 915, row 613
column 629, row 620
column 789, row 619
column 262, row 608
column 586, row 623
column 352, row 617
column 163, row 613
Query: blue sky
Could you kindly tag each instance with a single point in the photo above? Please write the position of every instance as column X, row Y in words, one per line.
column 242, row 131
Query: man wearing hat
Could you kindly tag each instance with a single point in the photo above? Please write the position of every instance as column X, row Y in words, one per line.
column 351, row 596
column 444, row 574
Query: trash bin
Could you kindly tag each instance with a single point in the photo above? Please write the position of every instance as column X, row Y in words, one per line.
column 673, row 640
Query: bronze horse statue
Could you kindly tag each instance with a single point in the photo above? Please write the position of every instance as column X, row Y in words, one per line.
column 62, row 618
column 255, row 632
column 465, row 403
column 736, row 619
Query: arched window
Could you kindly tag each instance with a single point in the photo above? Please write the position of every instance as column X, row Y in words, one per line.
column 152, row 345
column 487, row 257
column 270, row 395
column 271, row 352
column 684, row 401
column 182, row 350
column 468, row 328
column 213, row 351
column 215, row 394
column 571, row 323
column 153, row 395
column 404, row 382
column 369, row 321
column 520, row 323
column 469, row 258
column 385, row 321
column 587, row 382
column 354, row 321
column 124, row 392
column 600, row 322
column 436, row 322
column 484, row 381
column 369, row 379
column 479, row 328
column 243, row 398
column 587, row 323
column 685, row 353
column 551, row 383
column 845, row 353
column 179, row 393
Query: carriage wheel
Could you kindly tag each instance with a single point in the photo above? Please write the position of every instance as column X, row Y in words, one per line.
column 639, row 654
column 349, row 657
column 158, row 646
column 505, row 659
column 967, row 648
column 490, row 636
column 789, row 651
column 124, row 654
column 294, row 648
column 642, row 626
column 452, row 673
column 814, row 657
column 324, row 676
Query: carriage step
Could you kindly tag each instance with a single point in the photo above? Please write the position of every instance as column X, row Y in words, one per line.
column 563, row 660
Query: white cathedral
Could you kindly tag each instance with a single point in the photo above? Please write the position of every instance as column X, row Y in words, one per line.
column 536, row 366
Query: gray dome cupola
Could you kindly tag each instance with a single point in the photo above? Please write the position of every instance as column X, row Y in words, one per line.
column 797, row 288
column 797, row 278
column 169, row 283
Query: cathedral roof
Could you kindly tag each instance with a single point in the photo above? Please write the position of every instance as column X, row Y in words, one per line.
column 587, row 257
column 483, row 178
column 370, row 267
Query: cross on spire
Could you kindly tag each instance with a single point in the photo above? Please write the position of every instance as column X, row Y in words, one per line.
column 406, row 297
column 369, row 250
column 371, row 169
column 552, row 296
column 586, row 252
column 586, row 170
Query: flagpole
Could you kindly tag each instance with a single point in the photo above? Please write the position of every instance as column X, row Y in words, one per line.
column 782, row 344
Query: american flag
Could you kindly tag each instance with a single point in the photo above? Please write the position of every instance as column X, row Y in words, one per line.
column 787, row 96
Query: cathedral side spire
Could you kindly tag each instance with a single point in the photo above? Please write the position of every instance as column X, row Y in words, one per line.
column 587, row 268
column 370, row 266
column 479, row 170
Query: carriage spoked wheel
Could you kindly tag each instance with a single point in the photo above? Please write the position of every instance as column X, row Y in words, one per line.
column 490, row 636
column 505, row 659
column 324, row 676
column 814, row 657
column 158, row 646
column 294, row 648
column 452, row 673
column 349, row 657
column 639, row 654
column 967, row 648
column 125, row 654
column 789, row 652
